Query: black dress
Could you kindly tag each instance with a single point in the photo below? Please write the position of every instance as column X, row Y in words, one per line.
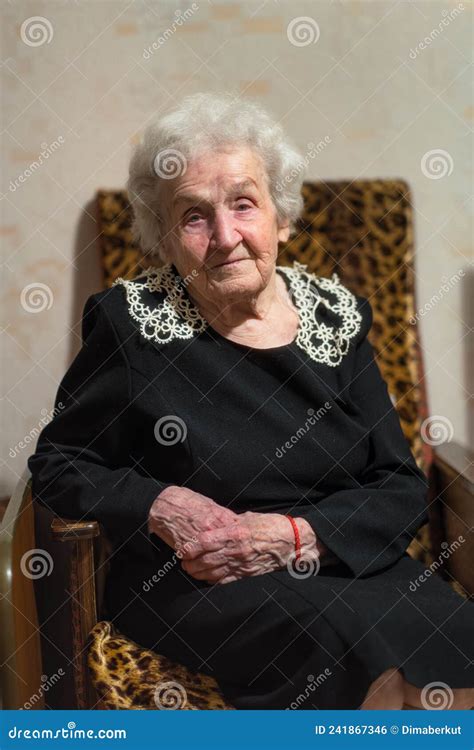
column 157, row 397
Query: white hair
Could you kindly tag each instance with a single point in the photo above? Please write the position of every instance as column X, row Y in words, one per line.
column 202, row 122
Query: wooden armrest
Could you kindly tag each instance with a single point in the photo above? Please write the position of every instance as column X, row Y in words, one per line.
column 454, row 474
column 82, row 592
column 66, row 530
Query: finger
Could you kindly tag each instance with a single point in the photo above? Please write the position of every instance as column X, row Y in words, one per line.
column 205, row 561
column 228, row 579
column 211, row 575
column 207, row 541
column 193, row 567
column 193, row 549
column 188, row 548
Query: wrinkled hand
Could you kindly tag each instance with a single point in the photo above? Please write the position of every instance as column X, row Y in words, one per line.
column 255, row 544
column 179, row 515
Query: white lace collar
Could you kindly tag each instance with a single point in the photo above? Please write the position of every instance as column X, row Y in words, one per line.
column 177, row 317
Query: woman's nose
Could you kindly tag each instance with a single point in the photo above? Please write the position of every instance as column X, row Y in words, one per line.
column 224, row 232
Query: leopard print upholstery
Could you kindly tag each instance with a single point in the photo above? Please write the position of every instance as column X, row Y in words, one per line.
column 127, row 676
column 363, row 230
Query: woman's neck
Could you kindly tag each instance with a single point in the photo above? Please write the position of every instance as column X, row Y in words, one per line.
column 254, row 318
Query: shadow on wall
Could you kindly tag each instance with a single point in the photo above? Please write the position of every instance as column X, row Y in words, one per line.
column 88, row 273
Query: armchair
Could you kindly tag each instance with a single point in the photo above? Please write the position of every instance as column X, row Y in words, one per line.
column 363, row 231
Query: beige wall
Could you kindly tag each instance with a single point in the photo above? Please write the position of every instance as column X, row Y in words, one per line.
column 85, row 92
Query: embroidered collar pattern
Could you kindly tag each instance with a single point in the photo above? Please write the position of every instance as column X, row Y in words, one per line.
column 177, row 317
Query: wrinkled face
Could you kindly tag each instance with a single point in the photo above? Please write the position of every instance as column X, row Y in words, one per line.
column 221, row 226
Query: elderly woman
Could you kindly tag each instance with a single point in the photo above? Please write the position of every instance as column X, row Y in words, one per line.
column 227, row 424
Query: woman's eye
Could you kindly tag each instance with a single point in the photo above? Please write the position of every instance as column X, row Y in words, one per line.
column 192, row 216
column 196, row 217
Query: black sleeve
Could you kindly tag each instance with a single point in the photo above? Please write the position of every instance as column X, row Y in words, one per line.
column 82, row 467
column 379, row 519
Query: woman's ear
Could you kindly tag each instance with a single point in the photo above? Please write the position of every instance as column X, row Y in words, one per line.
column 284, row 231
column 166, row 243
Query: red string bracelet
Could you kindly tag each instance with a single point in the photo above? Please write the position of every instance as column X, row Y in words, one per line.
column 297, row 537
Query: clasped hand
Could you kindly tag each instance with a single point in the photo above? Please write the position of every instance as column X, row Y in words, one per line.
column 219, row 546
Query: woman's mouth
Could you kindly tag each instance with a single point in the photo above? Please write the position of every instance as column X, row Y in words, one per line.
column 230, row 262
